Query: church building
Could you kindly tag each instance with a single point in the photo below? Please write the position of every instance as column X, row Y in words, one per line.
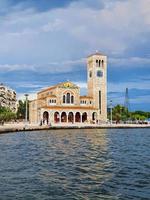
column 62, row 103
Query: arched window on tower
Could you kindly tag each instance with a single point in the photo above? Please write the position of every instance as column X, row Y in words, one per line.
column 99, row 63
column 90, row 74
column 68, row 98
column 102, row 63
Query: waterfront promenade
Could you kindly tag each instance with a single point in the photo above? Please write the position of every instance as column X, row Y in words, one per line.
column 13, row 127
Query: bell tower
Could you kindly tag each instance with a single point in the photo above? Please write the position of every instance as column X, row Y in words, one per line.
column 97, row 83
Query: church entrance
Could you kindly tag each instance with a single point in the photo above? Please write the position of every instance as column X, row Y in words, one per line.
column 56, row 117
column 45, row 118
column 77, row 117
column 63, row 117
column 70, row 117
column 84, row 117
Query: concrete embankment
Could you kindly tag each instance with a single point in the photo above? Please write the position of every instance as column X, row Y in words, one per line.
column 8, row 128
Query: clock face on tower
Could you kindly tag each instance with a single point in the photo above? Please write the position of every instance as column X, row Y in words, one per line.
column 99, row 73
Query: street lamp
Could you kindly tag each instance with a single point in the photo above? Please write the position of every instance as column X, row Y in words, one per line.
column 111, row 112
column 26, row 113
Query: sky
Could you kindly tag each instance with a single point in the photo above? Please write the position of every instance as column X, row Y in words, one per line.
column 44, row 42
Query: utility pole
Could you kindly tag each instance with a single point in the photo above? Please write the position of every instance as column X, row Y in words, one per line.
column 26, row 113
column 126, row 102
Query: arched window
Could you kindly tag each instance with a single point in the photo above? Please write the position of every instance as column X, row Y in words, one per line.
column 90, row 74
column 84, row 117
column 99, row 63
column 72, row 99
column 64, row 99
column 68, row 97
column 56, row 117
column 102, row 63
column 45, row 117
column 70, row 117
column 63, row 117
column 94, row 116
column 77, row 117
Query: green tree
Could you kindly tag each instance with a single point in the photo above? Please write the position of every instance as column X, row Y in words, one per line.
column 6, row 115
column 121, row 113
column 22, row 109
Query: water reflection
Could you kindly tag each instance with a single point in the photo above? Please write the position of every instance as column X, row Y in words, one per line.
column 74, row 164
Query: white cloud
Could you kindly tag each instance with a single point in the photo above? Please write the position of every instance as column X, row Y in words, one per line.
column 32, row 96
column 120, row 87
column 54, row 67
column 131, row 61
column 62, row 34
column 82, row 85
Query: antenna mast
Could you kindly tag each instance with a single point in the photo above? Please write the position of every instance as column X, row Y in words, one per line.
column 126, row 102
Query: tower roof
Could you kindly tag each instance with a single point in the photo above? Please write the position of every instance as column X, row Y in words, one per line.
column 96, row 54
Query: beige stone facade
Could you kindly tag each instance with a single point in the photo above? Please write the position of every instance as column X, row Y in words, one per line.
column 62, row 103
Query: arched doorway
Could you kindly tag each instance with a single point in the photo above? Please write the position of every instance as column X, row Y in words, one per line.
column 70, row 117
column 63, row 117
column 94, row 116
column 45, row 117
column 56, row 117
column 77, row 117
column 84, row 117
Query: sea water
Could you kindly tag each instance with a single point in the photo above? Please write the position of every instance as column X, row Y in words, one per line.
column 75, row 164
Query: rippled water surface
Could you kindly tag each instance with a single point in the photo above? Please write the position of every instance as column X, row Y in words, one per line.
column 75, row 164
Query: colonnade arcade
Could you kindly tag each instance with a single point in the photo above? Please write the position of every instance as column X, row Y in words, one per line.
column 70, row 117
column 67, row 117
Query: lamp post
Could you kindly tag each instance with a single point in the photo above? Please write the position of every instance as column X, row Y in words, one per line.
column 26, row 113
column 111, row 112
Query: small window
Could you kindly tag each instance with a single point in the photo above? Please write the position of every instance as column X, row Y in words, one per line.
column 64, row 99
column 102, row 63
column 99, row 63
column 72, row 99
column 99, row 73
column 90, row 74
column 90, row 102
column 50, row 100
column 68, row 97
